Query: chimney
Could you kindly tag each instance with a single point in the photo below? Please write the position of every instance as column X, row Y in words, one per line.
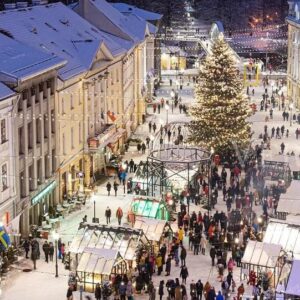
column 22, row 4
column 9, row 6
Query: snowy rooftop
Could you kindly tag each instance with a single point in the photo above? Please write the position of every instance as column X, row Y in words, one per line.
column 5, row 92
column 58, row 30
column 107, row 18
column 144, row 14
column 290, row 201
column 19, row 62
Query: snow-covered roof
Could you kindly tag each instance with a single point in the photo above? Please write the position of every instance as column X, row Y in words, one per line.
column 144, row 14
column 293, row 286
column 5, row 91
column 19, row 62
column 56, row 29
column 108, row 19
column 290, row 201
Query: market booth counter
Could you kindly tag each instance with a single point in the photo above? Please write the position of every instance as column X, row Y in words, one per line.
column 98, row 266
column 126, row 241
column 292, row 289
column 150, row 207
column 264, row 259
column 156, row 231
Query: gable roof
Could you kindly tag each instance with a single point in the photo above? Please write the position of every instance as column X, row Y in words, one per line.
column 5, row 92
column 19, row 62
column 144, row 14
column 108, row 19
column 58, row 30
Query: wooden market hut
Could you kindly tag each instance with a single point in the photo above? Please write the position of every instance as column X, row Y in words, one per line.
column 155, row 230
column 150, row 207
column 99, row 265
column 126, row 241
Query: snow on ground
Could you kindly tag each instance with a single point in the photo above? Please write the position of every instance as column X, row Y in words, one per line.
column 41, row 284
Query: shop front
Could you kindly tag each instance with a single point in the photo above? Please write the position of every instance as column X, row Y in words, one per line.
column 41, row 202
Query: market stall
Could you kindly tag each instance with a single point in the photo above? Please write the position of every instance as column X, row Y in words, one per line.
column 289, row 203
column 286, row 235
column 293, row 286
column 262, row 259
column 156, row 231
column 125, row 240
column 98, row 266
column 150, row 207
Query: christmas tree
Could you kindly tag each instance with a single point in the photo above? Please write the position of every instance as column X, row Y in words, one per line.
column 219, row 117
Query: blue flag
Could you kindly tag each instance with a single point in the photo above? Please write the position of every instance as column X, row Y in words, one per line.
column 4, row 239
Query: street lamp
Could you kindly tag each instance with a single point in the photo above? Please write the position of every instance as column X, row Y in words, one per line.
column 55, row 236
column 167, row 110
column 291, row 108
column 94, row 219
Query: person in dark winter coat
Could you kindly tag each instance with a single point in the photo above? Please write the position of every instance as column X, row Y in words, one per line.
column 161, row 289
column 70, row 293
column 26, row 246
column 211, row 295
column 98, row 292
column 35, row 252
column 46, row 250
column 108, row 187
column 51, row 251
column 107, row 215
column 184, row 273
column 183, row 256
column 212, row 254
column 168, row 266
column 199, row 288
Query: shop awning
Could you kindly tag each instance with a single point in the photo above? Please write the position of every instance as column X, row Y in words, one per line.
column 261, row 254
column 290, row 201
column 285, row 235
column 98, row 261
column 293, row 285
column 153, row 228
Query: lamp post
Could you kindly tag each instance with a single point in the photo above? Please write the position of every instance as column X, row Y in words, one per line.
column 167, row 110
column 291, row 108
column 56, row 237
column 94, row 210
column 172, row 98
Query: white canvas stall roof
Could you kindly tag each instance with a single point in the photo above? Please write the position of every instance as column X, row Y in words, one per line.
column 290, row 201
column 98, row 261
column 153, row 228
column 293, row 285
column 293, row 161
column 125, row 243
column 261, row 254
column 56, row 29
column 285, row 235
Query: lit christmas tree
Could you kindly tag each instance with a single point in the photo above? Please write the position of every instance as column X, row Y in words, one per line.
column 219, row 118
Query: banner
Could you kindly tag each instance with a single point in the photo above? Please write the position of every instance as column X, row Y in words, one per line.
column 13, row 226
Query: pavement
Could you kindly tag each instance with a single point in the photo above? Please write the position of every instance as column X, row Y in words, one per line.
column 41, row 284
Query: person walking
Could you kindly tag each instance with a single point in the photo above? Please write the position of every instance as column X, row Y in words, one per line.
column 161, row 289
column 199, row 288
column 98, row 292
column 154, row 127
column 26, row 246
column 183, row 256
column 184, row 273
column 115, row 188
column 119, row 215
column 129, row 291
column 35, row 252
column 203, row 243
column 70, row 293
column 241, row 291
column 212, row 254
column 282, row 147
column 51, row 251
column 108, row 188
column 159, row 263
column 107, row 214
column 168, row 265
column 59, row 243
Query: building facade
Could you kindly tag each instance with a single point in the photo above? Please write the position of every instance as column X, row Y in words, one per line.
column 293, row 68
column 8, row 195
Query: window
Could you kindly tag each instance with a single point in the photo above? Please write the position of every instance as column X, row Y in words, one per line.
column 72, row 138
column 72, row 101
column 3, row 131
column 64, row 144
column 4, row 177
column 80, row 134
column 62, row 105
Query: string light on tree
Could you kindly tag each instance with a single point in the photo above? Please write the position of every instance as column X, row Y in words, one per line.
column 220, row 115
